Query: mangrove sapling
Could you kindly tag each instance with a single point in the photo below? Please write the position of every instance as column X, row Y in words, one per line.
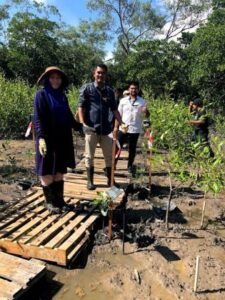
column 204, row 171
column 11, row 162
column 212, row 176
column 174, row 170
column 102, row 202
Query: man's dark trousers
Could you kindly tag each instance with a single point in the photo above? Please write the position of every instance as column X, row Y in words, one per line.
column 131, row 139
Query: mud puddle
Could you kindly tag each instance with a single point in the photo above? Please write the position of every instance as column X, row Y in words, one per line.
column 114, row 277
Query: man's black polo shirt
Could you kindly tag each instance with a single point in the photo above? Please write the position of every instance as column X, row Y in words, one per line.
column 99, row 103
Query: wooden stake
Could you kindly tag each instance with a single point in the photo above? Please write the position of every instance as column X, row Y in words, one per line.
column 150, row 169
column 124, row 225
column 196, row 273
column 113, row 161
column 112, row 183
column 150, row 164
column 110, row 222
column 168, row 204
column 203, row 214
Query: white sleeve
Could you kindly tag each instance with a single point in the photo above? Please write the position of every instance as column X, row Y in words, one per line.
column 120, row 108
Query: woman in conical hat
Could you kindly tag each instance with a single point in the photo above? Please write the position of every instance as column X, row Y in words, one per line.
column 53, row 121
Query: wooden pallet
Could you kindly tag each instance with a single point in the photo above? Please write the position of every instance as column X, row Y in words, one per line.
column 28, row 229
column 121, row 174
column 17, row 275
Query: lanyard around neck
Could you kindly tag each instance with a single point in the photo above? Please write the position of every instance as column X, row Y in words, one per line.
column 132, row 102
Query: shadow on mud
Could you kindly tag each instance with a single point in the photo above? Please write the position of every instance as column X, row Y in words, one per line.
column 163, row 191
column 45, row 289
column 212, row 291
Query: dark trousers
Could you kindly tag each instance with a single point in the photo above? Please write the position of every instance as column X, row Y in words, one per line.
column 131, row 139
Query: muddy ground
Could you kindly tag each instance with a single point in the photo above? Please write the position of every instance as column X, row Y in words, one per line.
column 157, row 264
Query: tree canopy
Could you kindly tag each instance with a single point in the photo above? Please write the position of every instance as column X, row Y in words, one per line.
column 153, row 44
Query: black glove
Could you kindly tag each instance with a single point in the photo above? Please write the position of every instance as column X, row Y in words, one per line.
column 77, row 126
column 146, row 123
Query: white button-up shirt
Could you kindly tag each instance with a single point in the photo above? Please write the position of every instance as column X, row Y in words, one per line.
column 131, row 113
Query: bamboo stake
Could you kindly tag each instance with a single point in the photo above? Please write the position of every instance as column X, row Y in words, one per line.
column 203, row 214
column 196, row 273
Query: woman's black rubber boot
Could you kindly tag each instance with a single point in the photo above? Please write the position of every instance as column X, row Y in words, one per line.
column 90, row 176
column 49, row 193
column 59, row 196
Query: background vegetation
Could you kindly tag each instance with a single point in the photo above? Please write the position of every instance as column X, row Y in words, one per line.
column 152, row 44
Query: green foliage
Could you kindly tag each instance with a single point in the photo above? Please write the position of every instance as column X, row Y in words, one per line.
column 77, row 55
column 73, row 97
column 218, row 125
column 31, row 45
column 185, row 160
column 157, row 65
column 16, row 104
column 102, row 202
column 169, row 121
column 207, row 61
column 34, row 38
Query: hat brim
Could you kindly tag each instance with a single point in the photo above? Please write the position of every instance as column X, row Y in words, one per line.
column 46, row 74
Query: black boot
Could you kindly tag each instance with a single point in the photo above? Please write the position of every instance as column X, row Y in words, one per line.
column 90, row 176
column 59, row 192
column 49, row 193
column 109, row 173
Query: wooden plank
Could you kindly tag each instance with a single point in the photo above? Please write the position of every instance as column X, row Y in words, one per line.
column 12, row 204
column 21, row 204
column 47, row 235
column 18, row 274
column 43, row 226
column 97, row 181
column 34, row 221
column 67, row 230
column 75, row 236
column 24, row 229
column 53, row 255
column 40, row 228
column 14, row 226
column 78, row 247
column 28, row 265
column 22, row 212
column 8, row 289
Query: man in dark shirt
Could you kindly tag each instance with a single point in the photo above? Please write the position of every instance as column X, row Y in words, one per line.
column 200, row 121
column 96, row 103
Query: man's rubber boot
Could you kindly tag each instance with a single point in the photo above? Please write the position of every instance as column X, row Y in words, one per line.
column 49, row 193
column 59, row 197
column 90, row 176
